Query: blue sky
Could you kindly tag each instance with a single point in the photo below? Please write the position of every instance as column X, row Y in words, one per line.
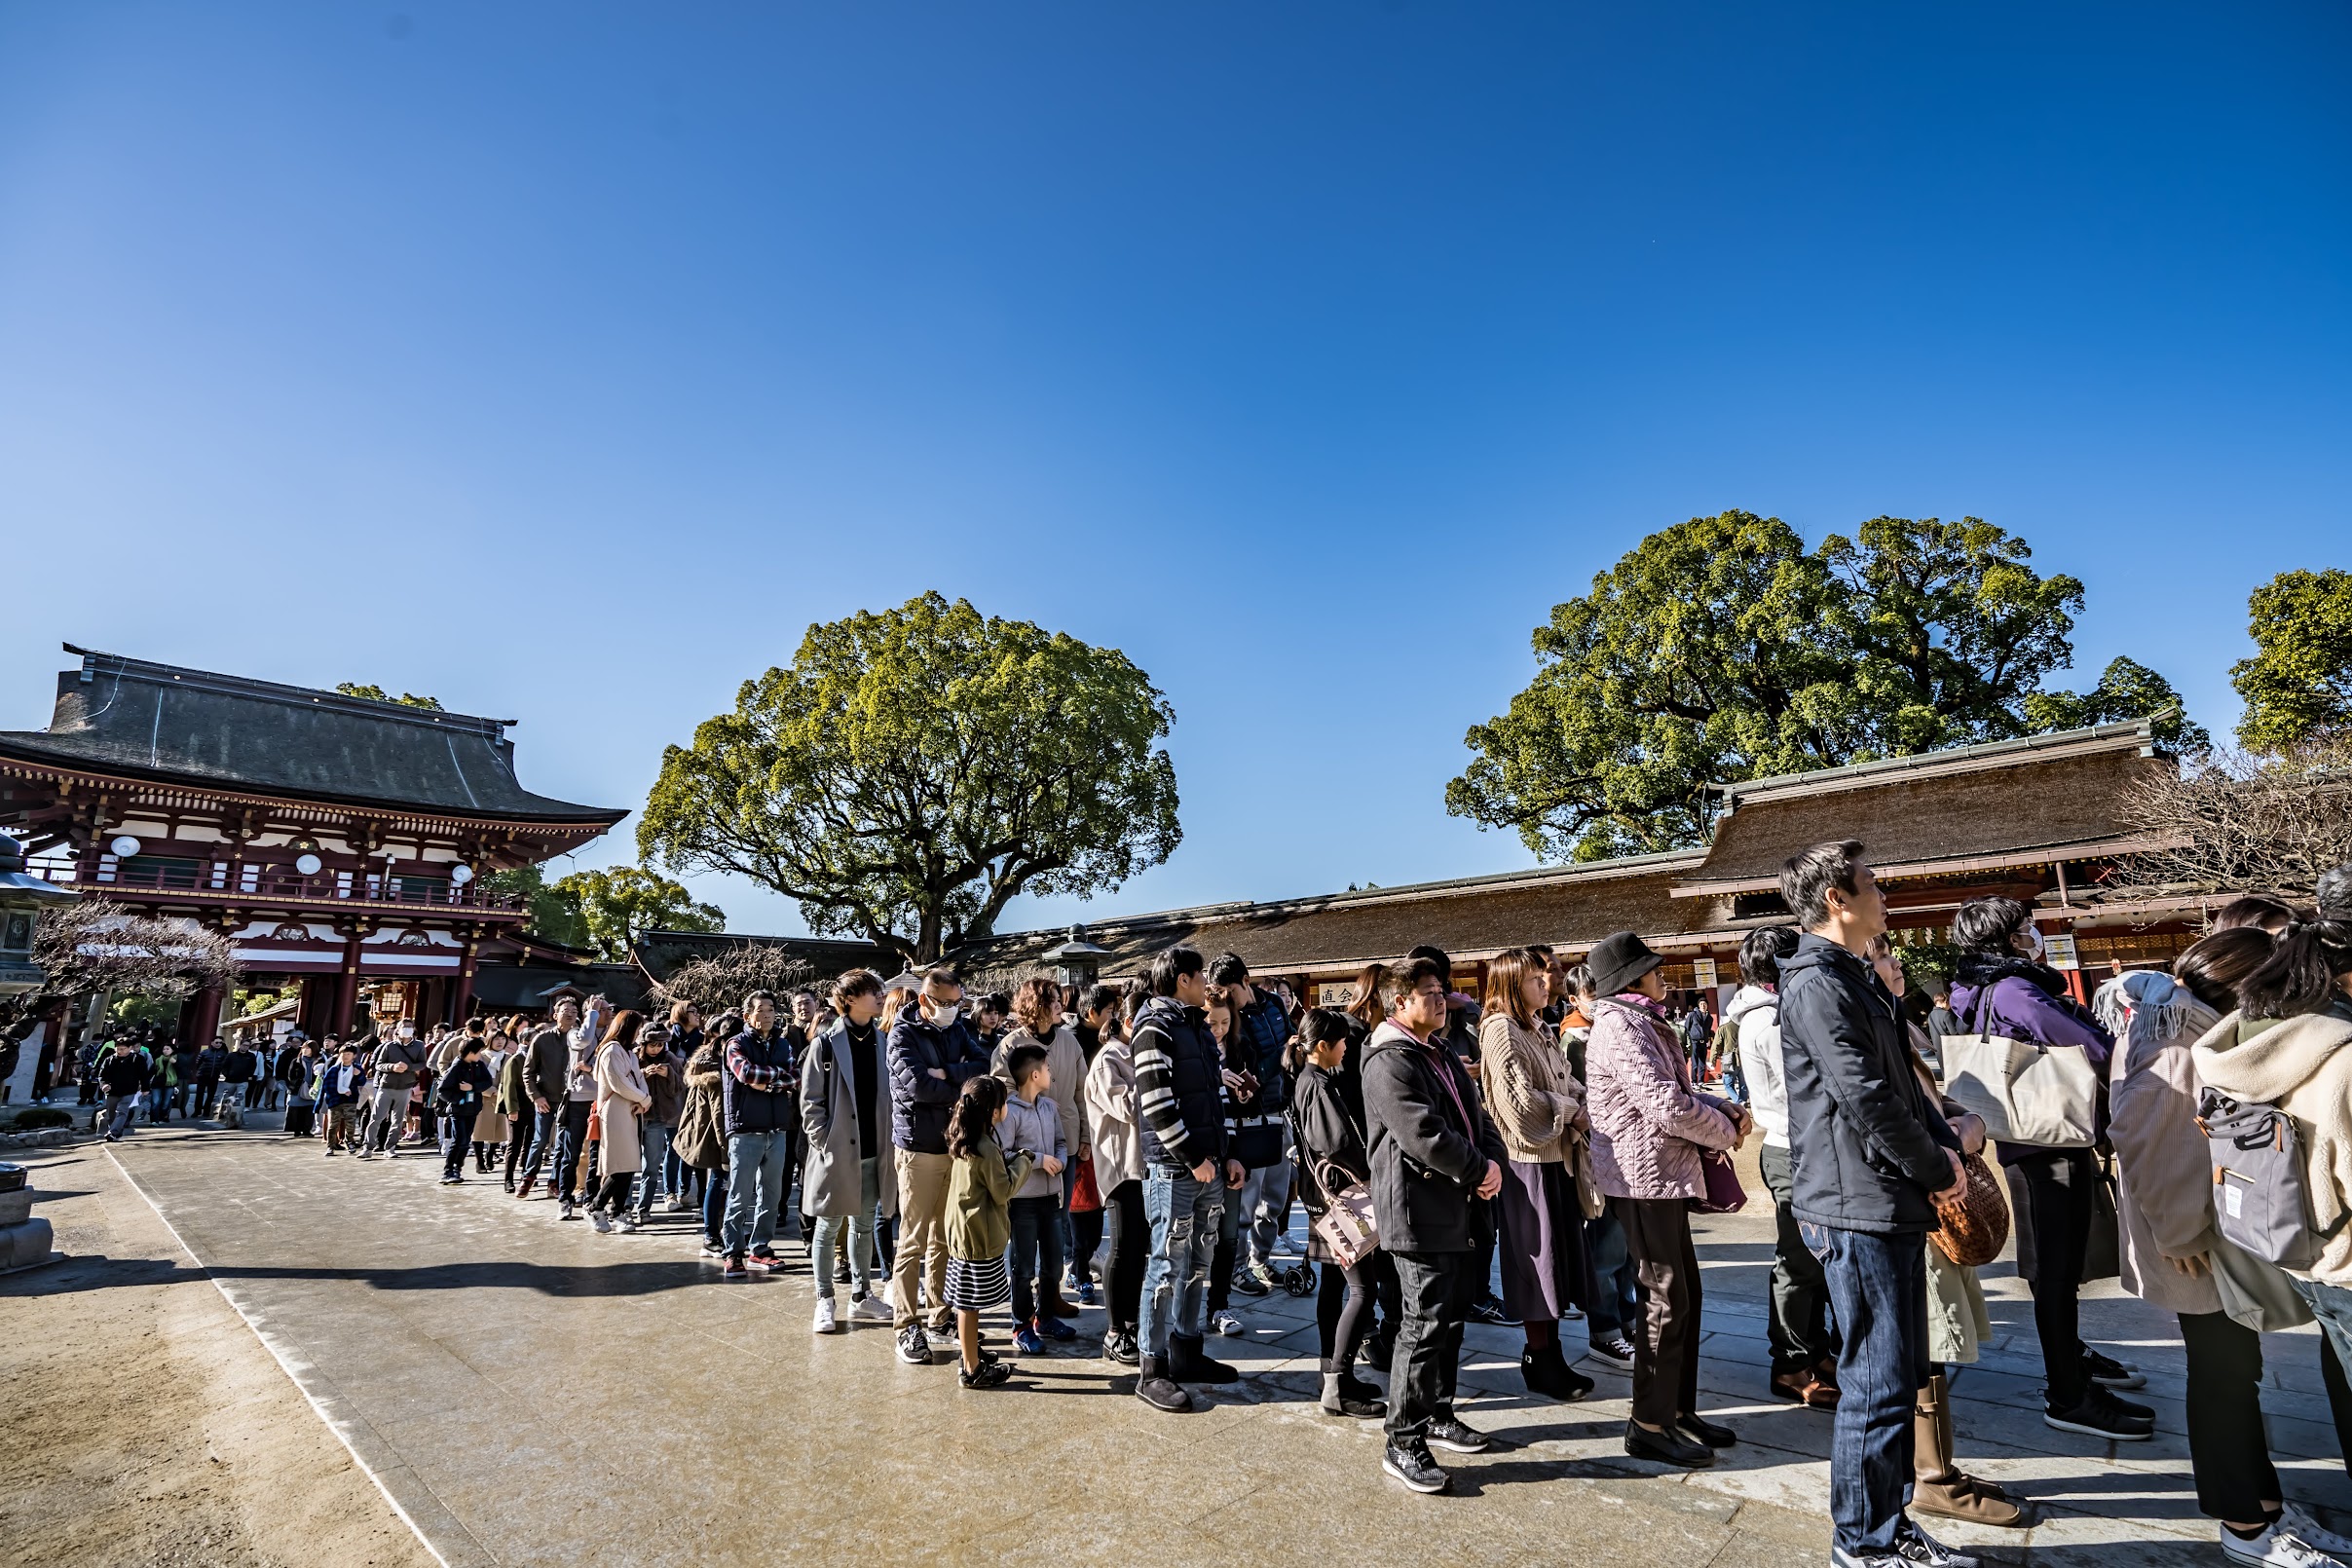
column 567, row 360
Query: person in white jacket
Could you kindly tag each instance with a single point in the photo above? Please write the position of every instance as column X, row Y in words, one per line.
column 1804, row 1352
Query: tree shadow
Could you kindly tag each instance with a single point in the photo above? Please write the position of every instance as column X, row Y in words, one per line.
column 648, row 1278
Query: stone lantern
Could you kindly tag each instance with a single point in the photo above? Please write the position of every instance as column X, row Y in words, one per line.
column 22, row 898
column 1076, row 961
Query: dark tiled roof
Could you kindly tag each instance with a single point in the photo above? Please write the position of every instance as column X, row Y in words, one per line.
column 1980, row 804
column 131, row 719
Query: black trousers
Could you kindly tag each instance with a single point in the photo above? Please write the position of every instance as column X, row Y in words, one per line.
column 2056, row 1187
column 1129, row 1243
column 1343, row 1307
column 2228, row 1451
column 1666, row 1284
column 1436, row 1291
column 613, row 1193
column 1798, row 1328
column 1085, row 1239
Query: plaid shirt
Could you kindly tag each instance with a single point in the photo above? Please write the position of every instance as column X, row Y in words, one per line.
column 781, row 1079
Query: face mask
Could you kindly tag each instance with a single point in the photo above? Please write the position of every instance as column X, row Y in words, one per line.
column 2035, row 946
column 944, row 1016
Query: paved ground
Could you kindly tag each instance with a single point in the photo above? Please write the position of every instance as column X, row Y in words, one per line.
column 531, row 1392
column 142, row 1422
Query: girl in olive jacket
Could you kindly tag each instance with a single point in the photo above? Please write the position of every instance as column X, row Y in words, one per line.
column 980, row 1224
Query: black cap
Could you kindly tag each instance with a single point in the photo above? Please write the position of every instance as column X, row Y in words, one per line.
column 1618, row 961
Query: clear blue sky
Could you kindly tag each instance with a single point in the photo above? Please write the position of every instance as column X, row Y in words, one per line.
column 566, row 360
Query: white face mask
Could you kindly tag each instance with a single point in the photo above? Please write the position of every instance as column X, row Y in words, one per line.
column 944, row 1014
column 2035, row 946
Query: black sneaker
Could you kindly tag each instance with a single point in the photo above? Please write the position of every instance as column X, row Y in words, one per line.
column 1120, row 1346
column 2109, row 1373
column 1486, row 1309
column 991, row 1374
column 1246, row 1283
column 1613, row 1350
column 913, row 1346
column 1454, row 1438
column 1412, row 1465
column 1918, row 1547
column 2102, row 1416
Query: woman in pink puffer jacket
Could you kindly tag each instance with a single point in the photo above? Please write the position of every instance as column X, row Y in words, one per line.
column 1649, row 1128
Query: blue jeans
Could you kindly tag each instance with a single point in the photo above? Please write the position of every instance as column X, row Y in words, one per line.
column 653, row 1177
column 1878, row 1289
column 755, row 1185
column 2331, row 1305
column 1267, row 1187
column 861, row 1236
column 1185, row 1217
column 1036, row 1251
column 1614, row 1304
column 713, row 1208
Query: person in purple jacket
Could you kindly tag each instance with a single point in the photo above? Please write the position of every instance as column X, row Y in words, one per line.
column 2004, row 988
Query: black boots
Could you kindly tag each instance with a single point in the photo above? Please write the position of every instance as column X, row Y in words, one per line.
column 1344, row 1394
column 1549, row 1373
column 1188, row 1362
column 1155, row 1388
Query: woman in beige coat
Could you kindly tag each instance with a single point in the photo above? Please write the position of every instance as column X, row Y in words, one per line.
column 1539, row 1108
column 621, row 1096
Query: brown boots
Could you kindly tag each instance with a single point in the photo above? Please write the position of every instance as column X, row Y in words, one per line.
column 1939, row 1487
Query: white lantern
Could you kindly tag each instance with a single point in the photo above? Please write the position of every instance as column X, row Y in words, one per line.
column 461, row 874
column 307, row 865
column 125, row 847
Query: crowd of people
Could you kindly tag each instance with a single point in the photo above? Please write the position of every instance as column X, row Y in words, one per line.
column 1528, row 1156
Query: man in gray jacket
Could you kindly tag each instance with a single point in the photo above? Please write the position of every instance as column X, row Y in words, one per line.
column 392, row 1076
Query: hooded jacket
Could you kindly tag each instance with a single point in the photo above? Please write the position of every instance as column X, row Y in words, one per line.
column 2303, row 1066
column 1431, row 1141
column 1067, row 1063
column 1755, row 1012
column 2163, row 1174
column 1648, row 1125
column 1112, row 1116
column 1867, row 1145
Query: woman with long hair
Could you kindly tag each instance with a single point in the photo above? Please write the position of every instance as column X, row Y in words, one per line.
column 2004, row 988
column 980, row 1225
column 623, row 1097
column 1332, row 1157
column 1115, row 1124
column 1539, row 1108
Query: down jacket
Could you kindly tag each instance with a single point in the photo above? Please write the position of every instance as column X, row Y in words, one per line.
column 1648, row 1125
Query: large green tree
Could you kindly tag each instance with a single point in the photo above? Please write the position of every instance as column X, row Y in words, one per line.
column 1721, row 650
column 2298, row 688
column 912, row 770
column 619, row 906
column 2127, row 690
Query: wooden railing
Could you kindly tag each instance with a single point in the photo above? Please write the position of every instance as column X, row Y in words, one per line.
column 226, row 879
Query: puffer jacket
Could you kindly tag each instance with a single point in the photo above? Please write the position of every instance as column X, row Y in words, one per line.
column 1648, row 1126
column 919, row 1102
column 1179, row 1091
column 2303, row 1066
column 1426, row 1163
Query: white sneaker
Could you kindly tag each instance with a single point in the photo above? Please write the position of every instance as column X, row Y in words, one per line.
column 1225, row 1322
column 2275, row 1547
column 628, row 1224
column 601, row 1220
column 827, row 1323
column 2297, row 1521
column 869, row 1308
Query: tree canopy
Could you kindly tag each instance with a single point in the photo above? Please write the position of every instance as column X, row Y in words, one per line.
column 2298, row 686
column 1721, row 650
column 377, row 693
column 617, row 907
column 914, row 769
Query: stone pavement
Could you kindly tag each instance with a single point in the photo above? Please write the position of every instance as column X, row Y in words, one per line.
column 531, row 1392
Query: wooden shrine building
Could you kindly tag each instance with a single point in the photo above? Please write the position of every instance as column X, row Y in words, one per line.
column 341, row 842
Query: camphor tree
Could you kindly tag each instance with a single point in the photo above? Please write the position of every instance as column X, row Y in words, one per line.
column 617, row 907
column 912, row 770
column 1721, row 650
column 2298, row 686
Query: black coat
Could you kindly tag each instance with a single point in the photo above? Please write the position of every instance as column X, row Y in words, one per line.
column 1426, row 1164
column 919, row 1103
column 1330, row 1137
column 1867, row 1144
column 548, row 1066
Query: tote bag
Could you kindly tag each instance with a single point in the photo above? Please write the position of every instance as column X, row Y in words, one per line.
column 2027, row 1092
column 1346, row 1224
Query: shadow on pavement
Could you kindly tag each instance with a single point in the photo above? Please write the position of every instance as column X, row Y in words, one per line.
column 543, row 1279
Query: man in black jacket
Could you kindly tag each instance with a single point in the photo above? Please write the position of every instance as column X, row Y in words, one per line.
column 932, row 1049
column 546, row 1077
column 1871, row 1157
column 1434, row 1152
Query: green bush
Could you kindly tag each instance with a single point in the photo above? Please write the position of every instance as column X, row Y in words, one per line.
column 34, row 1118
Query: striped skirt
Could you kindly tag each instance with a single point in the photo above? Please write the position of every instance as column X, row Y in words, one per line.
column 976, row 1285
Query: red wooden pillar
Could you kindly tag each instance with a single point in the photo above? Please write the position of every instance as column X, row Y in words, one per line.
column 347, row 987
column 461, row 993
column 200, row 1020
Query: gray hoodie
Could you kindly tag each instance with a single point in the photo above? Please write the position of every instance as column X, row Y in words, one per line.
column 1035, row 1127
